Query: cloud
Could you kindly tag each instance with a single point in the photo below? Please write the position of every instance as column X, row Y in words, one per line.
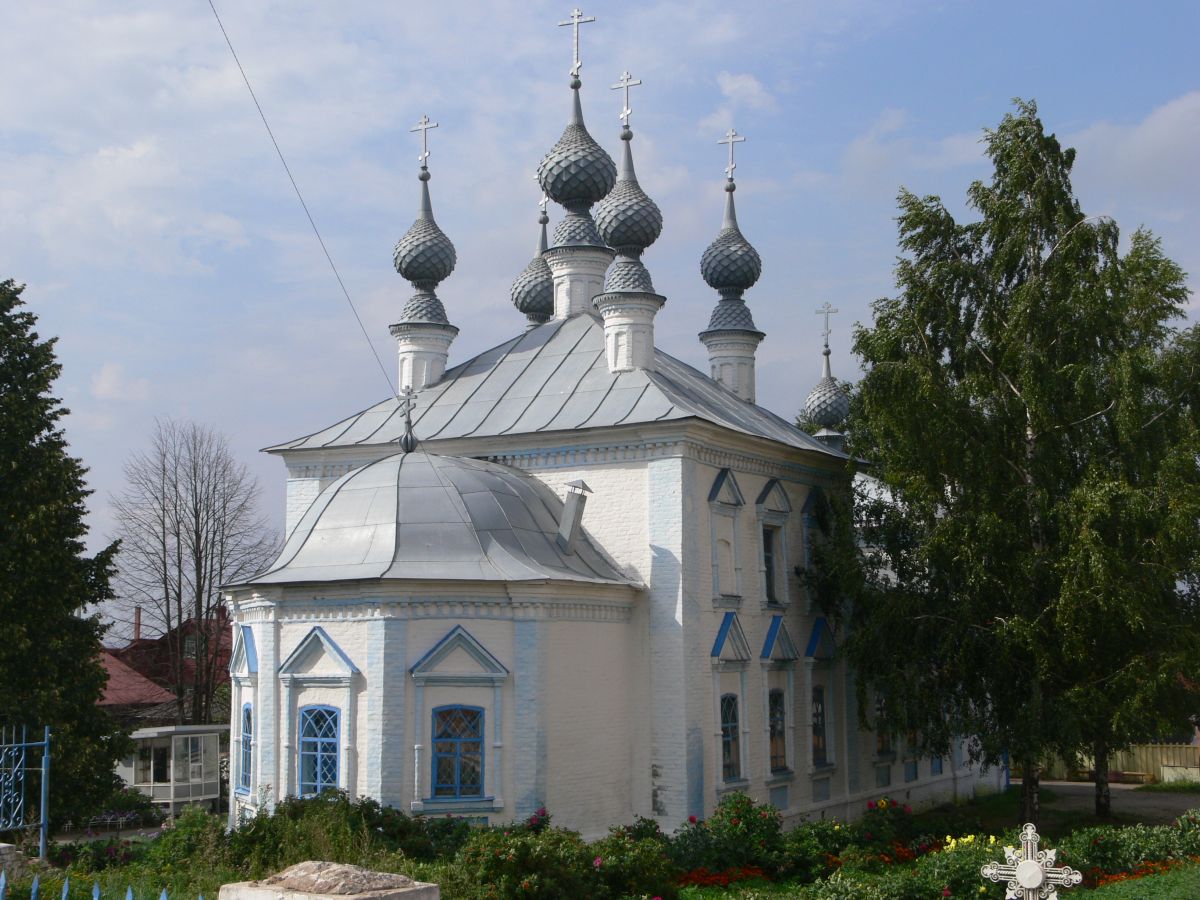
column 109, row 383
column 745, row 90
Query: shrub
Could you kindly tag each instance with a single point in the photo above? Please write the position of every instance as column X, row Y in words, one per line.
column 520, row 862
column 811, row 848
column 746, row 834
column 635, row 866
column 95, row 856
column 692, row 846
column 884, row 823
column 196, row 835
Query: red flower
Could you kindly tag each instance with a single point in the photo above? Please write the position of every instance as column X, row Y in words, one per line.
column 945, row 892
column 870, row 804
column 691, row 820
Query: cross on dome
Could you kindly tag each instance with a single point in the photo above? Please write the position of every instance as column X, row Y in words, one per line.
column 543, row 202
column 577, row 19
column 1030, row 872
column 423, row 125
column 731, row 138
column 408, row 440
column 826, row 310
column 627, row 81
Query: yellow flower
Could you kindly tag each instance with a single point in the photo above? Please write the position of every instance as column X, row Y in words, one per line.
column 983, row 889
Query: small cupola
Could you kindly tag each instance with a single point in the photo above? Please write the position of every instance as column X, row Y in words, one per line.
column 533, row 289
column 425, row 257
column 827, row 405
column 730, row 265
column 629, row 221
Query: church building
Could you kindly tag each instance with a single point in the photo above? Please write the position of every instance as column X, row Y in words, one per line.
column 568, row 572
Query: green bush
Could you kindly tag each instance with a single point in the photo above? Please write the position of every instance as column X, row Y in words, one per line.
column 885, row 822
column 95, row 856
column 631, row 866
column 196, row 835
column 542, row 865
column 810, row 849
column 745, row 834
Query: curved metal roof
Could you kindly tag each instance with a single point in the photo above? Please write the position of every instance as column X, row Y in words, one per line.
column 555, row 378
column 427, row 517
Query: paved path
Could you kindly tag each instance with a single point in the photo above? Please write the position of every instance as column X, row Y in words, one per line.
column 1151, row 807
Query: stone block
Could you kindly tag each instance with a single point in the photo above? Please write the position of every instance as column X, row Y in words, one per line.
column 315, row 880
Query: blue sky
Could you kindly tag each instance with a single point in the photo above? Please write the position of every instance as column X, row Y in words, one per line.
column 142, row 203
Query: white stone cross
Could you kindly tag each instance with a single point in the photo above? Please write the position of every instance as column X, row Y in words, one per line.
column 577, row 19
column 423, row 126
column 627, row 81
column 1030, row 872
column 731, row 138
column 826, row 310
column 542, row 203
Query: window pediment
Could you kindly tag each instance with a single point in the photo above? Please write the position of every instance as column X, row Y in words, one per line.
column 459, row 658
column 730, row 644
column 244, row 658
column 317, row 656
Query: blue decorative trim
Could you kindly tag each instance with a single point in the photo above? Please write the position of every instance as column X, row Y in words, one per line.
column 458, row 744
column 772, row 633
column 771, row 487
column 723, row 480
column 459, row 637
column 246, row 760
column 723, row 633
column 820, row 639
column 330, row 646
column 245, row 642
column 321, row 750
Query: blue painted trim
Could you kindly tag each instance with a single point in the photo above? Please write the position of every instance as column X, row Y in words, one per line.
column 770, row 488
column 250, row 649
column 820, row 630
column 300, row 741
column 245, row 762
column 331, row 647
column 772, row 633
column 458, row 743
column 469, row 642
column 723, row 633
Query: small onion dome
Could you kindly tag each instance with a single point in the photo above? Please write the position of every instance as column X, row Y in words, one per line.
column 577, row 171
column 731, row 315
column 729, row 264
column 533, row 289
column 425, row 257
column 627, row 218
column 827, row 404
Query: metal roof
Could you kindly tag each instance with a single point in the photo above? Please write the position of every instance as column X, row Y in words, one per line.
column 555, row 378
column 427, row 517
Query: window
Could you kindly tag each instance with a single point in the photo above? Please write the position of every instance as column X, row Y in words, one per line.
column 189, row 646
column 819, row 746
column 935, row 766
column 318, row 749
column 777, row 720
column 731, row 759
column 247, row 748
column 457, row 752
column 769, row 549
column 883, row 740
column 911, row 770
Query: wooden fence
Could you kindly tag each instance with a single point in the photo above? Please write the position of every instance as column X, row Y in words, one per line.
column 1141, row 762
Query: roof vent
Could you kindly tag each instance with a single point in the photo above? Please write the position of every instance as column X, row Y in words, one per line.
column 568, row 526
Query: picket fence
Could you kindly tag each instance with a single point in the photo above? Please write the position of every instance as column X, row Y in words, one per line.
column 35, row 890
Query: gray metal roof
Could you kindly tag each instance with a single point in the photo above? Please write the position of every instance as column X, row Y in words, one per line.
column 427, row 517
column 555, row 378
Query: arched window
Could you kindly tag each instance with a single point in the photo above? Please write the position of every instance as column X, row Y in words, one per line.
column 776, row 723
column 820, row 748
column 457, row 752
column 731, row 758
column 247, row 748
column 319, row 726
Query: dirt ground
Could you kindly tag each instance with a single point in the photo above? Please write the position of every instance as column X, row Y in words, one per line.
column 1150, row 807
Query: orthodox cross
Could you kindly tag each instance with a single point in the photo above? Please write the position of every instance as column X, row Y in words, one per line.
column 423, row 126
column 1030, row 872
column 731, row 138
column 542, row 203
column 577, row 19
column 826, row 310
column 627, row 81
column 408, row 440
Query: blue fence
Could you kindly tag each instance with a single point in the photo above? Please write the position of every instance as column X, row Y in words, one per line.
column 35, row 890
column 17, row 764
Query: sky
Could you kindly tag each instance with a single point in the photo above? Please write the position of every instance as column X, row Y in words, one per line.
column 143, row 205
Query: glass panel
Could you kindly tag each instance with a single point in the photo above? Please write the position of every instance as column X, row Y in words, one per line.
column 935, row 766
column 731, row 764
column 162, row 763
column 768, row 538
column 820, row 756
column 777, row 719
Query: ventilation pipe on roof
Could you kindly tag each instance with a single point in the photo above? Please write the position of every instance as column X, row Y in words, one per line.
column 137, row 623
column 572, row 515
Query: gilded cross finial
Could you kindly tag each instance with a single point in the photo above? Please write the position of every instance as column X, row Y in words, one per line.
column 826, row 310
column 405, row 401
column 423, row 125
column 1030, row 872
column 731, row 138
column 627, row 81
column 577, row 19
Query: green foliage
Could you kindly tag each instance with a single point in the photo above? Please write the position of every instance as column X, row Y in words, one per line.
column 49, row 658
column 1024, row 566
column 812, row 848
column 1171, row 787
column 1182, row 884
column 549, row 864
column 739, row 833
column 632, row 866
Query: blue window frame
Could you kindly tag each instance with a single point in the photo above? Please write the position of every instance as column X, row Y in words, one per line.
column 319, row 727
column 247, row 748
column 457, row 752
column 731, row 757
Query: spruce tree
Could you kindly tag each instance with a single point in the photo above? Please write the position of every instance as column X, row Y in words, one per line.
column 50, row 673
column 1024, row 572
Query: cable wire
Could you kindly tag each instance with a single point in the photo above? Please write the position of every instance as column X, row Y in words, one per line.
column 300, row 197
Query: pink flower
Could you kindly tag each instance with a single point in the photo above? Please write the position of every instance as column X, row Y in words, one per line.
column 596, row 862
column 691, row 820
column 870, row 804
column 541, row 811
column 945, row 892
column 908, row 809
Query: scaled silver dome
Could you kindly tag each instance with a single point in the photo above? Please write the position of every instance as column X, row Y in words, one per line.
column 827, row 404
column 424, row 255
column 577, row 171
column 533, row 289
column 627, row 217
column 730, row 264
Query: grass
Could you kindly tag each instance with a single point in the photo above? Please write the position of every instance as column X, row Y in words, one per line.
column 1171, row 787
column 1182, row 884
column 999, row 812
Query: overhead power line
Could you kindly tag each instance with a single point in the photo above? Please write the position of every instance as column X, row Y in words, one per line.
column 299, row 196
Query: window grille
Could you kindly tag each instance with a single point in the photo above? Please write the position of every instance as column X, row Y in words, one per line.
column 731, row 761
column 457, row 752
column 768, row 539
column 319, row 727
column 777, row 721
column 247, row 748
column 820, row 750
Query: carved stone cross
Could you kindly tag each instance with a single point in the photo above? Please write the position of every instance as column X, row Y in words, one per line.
column 423, row 126
column 627, row 81
column 731, row 138
column 577, row 19
column 1030, row 872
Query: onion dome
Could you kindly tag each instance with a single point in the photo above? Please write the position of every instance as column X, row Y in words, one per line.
column 827, row 404
column 629, row 221
column 425, row 257
column 576, row 173
column 533, row 289
column 730, row 264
